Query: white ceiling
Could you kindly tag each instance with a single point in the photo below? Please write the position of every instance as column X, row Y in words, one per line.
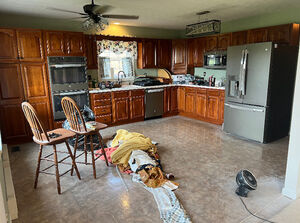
column 170, row 14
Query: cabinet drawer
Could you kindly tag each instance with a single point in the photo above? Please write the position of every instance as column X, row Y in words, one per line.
column 103, row 119
column 102, row 102
column 137, row 93
column 213, row 92
column 101, row 96
column 222, row 93
column 102, row 110
column 120, row 94
column 190, row 90
column 201, row 91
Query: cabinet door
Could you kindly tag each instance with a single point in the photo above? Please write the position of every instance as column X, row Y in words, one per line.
column 190, row 52
column 74, row 44
column 36, row 90
column 190, row 102
column 179, row 65
column 257, row 35
column 121, row 109
column 91, row 51
column 211, row 43
column 181, row 99
column 8, row 45
column 55, row 44
column 239, row 38
column 279, row 34
column 30, row 45
column 167, row 100
column 199, row 51
column 201, row 105
column 164, row 50
column 149, row 53
column 221, row 108
column 11, row 87
column 224, row 40
column 12, row 120
column 13, row 123
column 212, row 107
column 137, row 107
column 173, row 99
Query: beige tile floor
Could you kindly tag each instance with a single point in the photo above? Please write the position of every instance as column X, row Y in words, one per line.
column 203, row 159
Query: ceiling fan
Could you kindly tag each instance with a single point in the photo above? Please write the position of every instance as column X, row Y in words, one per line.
column 95, row 17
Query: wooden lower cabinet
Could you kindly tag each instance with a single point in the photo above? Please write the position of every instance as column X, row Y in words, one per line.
column 137, row 104
column 181, row 99
column 203, row 104
column 14, row 128
column 170, row 101
column 118, row 107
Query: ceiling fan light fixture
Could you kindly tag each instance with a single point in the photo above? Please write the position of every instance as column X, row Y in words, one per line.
column 92, row 25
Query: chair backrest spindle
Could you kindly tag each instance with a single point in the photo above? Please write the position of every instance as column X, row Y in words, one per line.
column 36, row 126
column 73, row 115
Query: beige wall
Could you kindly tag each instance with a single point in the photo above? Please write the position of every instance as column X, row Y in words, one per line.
column 27, row 21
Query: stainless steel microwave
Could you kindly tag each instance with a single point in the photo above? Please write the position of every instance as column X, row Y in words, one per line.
column 215, row 59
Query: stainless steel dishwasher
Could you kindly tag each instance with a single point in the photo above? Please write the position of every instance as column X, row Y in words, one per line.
column 154, row 102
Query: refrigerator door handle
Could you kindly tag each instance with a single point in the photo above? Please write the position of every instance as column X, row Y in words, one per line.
column 244, row 108
column 243, row 70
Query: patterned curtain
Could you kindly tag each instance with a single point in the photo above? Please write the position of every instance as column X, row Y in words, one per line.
column 117, row 47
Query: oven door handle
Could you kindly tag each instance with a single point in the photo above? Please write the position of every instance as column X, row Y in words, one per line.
column 67, row 65
column 71, row 93
column 155, row 90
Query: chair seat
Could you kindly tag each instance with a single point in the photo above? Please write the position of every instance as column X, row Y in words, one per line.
column 98, row 126
column 64, row 134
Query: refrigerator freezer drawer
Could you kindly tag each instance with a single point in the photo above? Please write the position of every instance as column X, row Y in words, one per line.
column 245, row 121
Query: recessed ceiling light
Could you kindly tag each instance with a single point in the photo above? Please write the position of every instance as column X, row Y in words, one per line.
column 116, row 23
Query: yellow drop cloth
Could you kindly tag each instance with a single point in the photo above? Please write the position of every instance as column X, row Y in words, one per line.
column 130, row 141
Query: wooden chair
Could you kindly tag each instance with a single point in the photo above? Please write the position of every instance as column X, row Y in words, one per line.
column 41, row 137
column 78, row 126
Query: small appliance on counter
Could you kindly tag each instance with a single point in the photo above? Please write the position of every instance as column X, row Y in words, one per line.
column 178, row 79
column 147, row 81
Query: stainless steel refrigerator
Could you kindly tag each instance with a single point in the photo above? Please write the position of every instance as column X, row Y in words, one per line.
column 259, row 90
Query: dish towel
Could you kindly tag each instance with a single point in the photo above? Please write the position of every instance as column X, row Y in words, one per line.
column 170, row 209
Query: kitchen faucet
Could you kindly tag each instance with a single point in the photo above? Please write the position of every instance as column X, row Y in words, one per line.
column 119, row 75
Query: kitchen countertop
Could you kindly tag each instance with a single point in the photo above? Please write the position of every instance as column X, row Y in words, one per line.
column 135, row 87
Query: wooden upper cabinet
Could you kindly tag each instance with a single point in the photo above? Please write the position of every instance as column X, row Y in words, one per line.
column 279, row 34
column 164, row 51
column 11, row 87
column 199, row 51
column 8, row 45
column 35, row 80
column 59, row 43
column 91, row 51
column 190, row 52
column 74, row 43
column 239, row 38
column 257, row 35
column 211, row 43
column 30, row 45
column 179, row 65
column 149, row 53
column 224, row 40
column 55, row 44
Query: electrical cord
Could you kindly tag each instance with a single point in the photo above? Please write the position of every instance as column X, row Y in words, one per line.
column 254, row 214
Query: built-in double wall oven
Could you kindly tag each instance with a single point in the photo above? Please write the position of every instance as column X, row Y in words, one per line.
column 67, row 78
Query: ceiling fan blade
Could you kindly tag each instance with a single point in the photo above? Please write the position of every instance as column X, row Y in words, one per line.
column 64, row 10
column 120, row 16
column 81, row 17
column 98, row 9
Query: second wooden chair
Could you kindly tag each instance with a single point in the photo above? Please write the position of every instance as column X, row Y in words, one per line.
column 78, row 126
